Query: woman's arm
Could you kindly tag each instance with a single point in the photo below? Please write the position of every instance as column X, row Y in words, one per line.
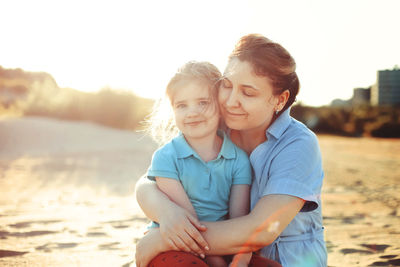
column 177, row 224
column 259, row 228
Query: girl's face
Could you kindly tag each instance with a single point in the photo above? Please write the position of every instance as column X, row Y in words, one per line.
column 196, row 113
column 246, row 100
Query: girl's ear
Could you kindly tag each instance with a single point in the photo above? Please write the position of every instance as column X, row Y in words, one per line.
column 282, row 100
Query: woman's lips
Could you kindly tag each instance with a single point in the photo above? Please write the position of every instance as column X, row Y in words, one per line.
column 234, row 114
column 193, row 123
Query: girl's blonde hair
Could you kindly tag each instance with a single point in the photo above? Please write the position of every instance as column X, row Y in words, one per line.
column 161, row 125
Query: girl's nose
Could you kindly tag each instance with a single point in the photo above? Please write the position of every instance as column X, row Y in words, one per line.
column 193, row 111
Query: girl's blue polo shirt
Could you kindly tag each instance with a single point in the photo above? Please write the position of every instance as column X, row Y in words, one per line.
column 289, row 163
column 207, row 184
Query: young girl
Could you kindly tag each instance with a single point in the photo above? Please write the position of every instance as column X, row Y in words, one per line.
column 200, row 169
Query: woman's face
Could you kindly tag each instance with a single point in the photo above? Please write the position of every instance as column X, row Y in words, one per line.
column 246, row 100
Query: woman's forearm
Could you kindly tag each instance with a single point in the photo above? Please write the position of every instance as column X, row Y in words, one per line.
column 259, row 228
column 227, row 237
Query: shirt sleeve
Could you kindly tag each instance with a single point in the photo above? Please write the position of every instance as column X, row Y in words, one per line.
column 297, row 171
column 163, row 164
column 242, row 173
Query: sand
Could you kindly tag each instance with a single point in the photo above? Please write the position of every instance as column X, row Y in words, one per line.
column 66, row 195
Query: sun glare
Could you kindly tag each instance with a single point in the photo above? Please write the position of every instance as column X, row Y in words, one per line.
column 137, row 45
column 123, row 45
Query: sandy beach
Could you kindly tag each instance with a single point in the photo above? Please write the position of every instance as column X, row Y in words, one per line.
column 67, row 195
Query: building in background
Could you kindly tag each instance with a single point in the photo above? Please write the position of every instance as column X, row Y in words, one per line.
column 386, row 90
column 361, row 96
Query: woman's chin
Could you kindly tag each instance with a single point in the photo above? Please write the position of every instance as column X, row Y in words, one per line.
column 235, row 124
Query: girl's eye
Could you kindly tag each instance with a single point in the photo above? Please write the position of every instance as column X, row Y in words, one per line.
column 180, row 106
column 204, row 103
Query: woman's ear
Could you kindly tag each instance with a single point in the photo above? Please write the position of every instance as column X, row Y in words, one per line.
column 282, row 100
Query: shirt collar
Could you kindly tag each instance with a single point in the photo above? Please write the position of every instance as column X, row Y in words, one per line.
column 279, row 126
column 227, row 148
column 185, row 150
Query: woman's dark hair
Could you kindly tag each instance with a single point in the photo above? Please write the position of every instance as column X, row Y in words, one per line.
column 271, row 60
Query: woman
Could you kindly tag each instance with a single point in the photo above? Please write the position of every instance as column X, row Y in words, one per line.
column 285, row 223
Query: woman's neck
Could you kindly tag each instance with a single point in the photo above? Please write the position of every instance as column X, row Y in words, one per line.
column 207, row 148
column 248, row 140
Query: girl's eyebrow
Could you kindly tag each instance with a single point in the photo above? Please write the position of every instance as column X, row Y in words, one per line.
column 179, row 102
column 184, row 101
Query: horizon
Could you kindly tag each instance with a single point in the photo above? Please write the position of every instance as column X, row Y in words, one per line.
column 338, row 45
column 155, row 98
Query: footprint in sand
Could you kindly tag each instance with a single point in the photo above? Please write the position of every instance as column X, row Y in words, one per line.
column 4, row 234
column 352, row 250
column 51, row 246
column 20, row 225
column 375, row 247
column 395, row 262
column 109, row 246
column 11, row 253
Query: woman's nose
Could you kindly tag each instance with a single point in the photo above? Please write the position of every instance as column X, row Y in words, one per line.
column 232, row 99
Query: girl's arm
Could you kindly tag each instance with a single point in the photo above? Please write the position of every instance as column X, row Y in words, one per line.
column 239, row 205
column 174, row 190
column 239, row 201
column 181, row 226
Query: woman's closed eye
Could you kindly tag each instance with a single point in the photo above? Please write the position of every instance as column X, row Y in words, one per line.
column 248, row 92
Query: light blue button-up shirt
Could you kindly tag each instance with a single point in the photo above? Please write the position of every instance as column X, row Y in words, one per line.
column 289, row 163
column 207, row 184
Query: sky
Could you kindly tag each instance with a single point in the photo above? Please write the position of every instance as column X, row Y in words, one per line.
column 133, row 45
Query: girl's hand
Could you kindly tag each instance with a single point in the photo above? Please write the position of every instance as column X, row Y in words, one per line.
column 149, row 247
column 180, row 231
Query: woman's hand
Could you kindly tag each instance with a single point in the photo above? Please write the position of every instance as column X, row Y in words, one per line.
column 149, row 247
column 180, row 231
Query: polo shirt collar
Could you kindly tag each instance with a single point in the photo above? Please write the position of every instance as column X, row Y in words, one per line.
column 185, row 150
column 280, row 125
column 227, row 148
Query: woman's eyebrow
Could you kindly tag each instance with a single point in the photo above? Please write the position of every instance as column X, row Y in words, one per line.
column 249, row 86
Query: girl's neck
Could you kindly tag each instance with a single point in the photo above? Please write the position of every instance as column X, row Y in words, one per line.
column 207, row 148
